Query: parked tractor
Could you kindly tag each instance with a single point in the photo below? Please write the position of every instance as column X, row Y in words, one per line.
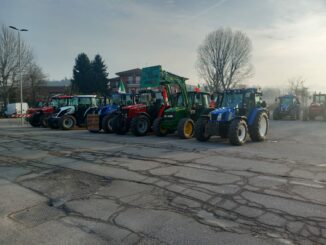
column 38, row 116
column 317, row 107
column 139, row 117
column 101, row 118
column 181, row 117
column 73, row 114
column 241, row 113
column 288, row 107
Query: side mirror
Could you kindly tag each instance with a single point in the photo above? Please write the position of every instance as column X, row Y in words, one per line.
column 264, row 104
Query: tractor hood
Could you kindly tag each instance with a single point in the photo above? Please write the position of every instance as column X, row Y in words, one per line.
column 65, row 110
column 46, row 109
column 133, row 107
column 222, row 114
column 174, row 110
column 107, row 109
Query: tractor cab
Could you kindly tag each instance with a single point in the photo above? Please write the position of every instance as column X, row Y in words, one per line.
column 318, row 107
column 287, row 106
column 241, row 112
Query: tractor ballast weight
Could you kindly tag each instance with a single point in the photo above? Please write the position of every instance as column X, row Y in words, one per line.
column 74, row 114
column 288, row 107
column 241, row 113
column 317, row 107
column 101, row 118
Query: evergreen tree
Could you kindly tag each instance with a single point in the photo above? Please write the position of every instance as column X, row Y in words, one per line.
column 82, row 75
column 99, row 76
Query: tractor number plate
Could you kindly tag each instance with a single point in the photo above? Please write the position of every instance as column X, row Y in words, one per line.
column 93, row 122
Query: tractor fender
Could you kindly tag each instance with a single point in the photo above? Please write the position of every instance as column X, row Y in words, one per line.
column 66, row 110
column 253, row 115
column 90, row 110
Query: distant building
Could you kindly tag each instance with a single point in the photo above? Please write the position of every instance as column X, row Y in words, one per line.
column 130, row 78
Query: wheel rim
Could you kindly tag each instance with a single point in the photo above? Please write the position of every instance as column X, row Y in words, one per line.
column 68, row 123
column 263, row 126
column 188, row 129
column 142, row 126
column 109, row 125
column 241, row 132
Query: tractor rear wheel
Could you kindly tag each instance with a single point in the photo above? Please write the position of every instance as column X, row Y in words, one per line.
column 140, row 125
column 186, row 128
column 258, row 130
column 158, row 129
column 67, row 122
column 238, row 132
column 107, row 123
column 118, row 126
column 200, row 133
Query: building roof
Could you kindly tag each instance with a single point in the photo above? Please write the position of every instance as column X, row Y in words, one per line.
column 132, row 71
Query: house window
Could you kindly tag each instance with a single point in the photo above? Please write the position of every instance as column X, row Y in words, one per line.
column 130, row 79
column 138, row 79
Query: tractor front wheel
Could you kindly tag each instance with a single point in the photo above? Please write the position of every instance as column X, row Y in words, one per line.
column 200, row 133
column 140, row 125
column 158, row 129
column 107, row 124
column 67, row 122
column 258, row 130
column 238, row 132
column 186, row 128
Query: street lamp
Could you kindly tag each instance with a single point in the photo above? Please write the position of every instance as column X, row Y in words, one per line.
column 20, row 71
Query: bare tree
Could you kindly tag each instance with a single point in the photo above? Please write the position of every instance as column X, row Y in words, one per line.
column 298, row 88
column 34, row 80
column 9, row 61
column 224, row 59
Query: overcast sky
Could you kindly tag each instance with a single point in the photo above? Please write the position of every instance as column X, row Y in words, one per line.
column 289, row 36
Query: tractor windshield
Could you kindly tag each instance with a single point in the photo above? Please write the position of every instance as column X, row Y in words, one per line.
column 145, row 98
column 321, row 99
column 116, row 99
column 60, row 102
column 286, row 101
column 232, row 100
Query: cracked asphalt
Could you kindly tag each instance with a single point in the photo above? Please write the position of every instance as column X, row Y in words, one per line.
column 75, row 187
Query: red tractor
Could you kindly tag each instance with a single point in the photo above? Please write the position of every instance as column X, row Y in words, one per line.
column 139, row 117
column 38, row 116
column 317, row 107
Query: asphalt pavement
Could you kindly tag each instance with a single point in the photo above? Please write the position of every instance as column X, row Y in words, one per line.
column 76, row 187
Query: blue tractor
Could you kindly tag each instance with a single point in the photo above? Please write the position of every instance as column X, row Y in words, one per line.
column 100, row 118
column 240, row 112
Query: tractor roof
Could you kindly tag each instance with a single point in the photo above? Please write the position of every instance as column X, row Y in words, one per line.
column 85, row 96
column 288, row 96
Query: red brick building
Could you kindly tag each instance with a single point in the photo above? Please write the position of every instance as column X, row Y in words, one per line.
column 130, row 78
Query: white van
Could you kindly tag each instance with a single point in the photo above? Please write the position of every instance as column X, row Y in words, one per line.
column 14, row 108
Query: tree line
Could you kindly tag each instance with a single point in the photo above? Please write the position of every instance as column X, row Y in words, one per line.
column 89, row 77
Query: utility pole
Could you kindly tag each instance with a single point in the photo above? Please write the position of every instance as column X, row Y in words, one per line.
column 20, row 70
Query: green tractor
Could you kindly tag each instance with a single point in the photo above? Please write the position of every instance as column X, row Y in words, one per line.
column 181, row 116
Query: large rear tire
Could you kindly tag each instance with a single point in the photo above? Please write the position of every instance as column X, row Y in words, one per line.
column 158, row 129
column 186, row 128
column 118, row 125
column 238, row 132
column 258, row 130
column 140, row 125
column 107, row 124
column 200, row 133
column 67, row 122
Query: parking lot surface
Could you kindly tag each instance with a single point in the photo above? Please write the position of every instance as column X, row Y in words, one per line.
column 76, row 187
